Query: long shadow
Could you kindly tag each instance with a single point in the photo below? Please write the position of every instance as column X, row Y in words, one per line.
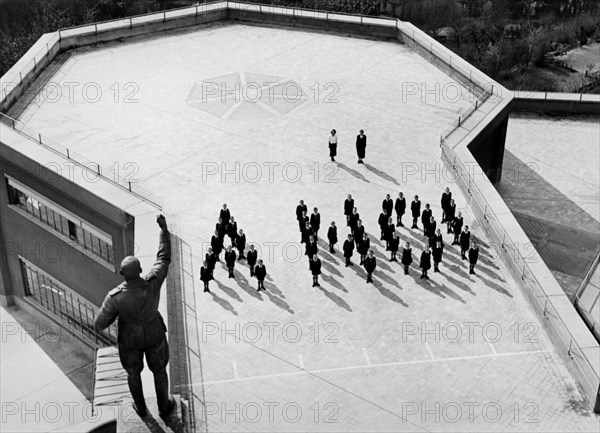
column 331, row 269
column 245, row 286
column 336, row 299
column 488, row 272
column 276, row 300
column 459, row 284
column 223, row 303
column 493, row 285
column 381, row 174
column 388, row 293
column 353, row 172
column 448, row 291
column 333, row 282
column 489, row 262
column 380, row 275
column 229, row 291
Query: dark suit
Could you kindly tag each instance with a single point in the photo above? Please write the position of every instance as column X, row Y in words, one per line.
column 362, row 247
column 382, row 221
column 400, row 208
column 299, row 210
column 315, row 222
column 445, row 203
column 240, row 243
column 230, row 257
column 225, row 216
column 426, row 218
column 348, row 207
column 302, row 222
column 370, row 265
column 450, row 214
column 457, row 225
column 389, row 232
column 358, row 233
column 221, row 229
column 473, row 256
column 348, row 250
column 406, row 259
column 393, row 247
column 361, row 146
column 332, row 237
column 415, row 208
column 252, row 256
column 465, row 242
column 232, row 232
column 353, row 221
column 437, row 257
column 217, row 245
column 260, row 272
column 211, row 261
column 388, row 206
column 205, row 276
column 315, row 269
column 425, row 264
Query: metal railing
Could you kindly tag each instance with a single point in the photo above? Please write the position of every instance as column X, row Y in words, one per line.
column 586, row 305
column 93, row 169
column 512, row 254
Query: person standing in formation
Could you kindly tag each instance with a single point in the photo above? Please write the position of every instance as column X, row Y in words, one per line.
column 205, row 275
column 389, row 232
column 445, row 203
column 221, row 228
column 370, row 265
column 232, row 231
column 425, row 264
column 304, row 222
column 406, row 257
column 348, row 206
column 465, row 242
column 333, row 142
column 307, row 233
column 301, row 210
column 359, row 232
column 450, row 213
column 230, row 257
column 361, row 146
column 437, row 237
column 260, row 271
column 354, row 217
column 311, row 249
column 252, row 255
column 240, row 243
column 362, row 247
column 225, row 215
column 216, row 242
column 473, row 256
column 211, row 261
column 457, row 225
column 315, row 268
column 437, row 251
column 315, row 222
column 348, row 250
column 415, row 208
column 383, row 223
column 429, row 228
column 400, row 207
column 332, row 237
column 426, row 217
column 387, row 205
column 394, row 244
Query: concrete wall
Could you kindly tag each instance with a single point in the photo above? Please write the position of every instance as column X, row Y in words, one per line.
column 53, row 254
column 556, row 103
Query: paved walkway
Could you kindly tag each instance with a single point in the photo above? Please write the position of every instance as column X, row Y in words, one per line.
column 455, row 353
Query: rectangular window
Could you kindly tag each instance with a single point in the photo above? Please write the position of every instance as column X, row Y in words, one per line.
column 65, row 305
column 61, row 221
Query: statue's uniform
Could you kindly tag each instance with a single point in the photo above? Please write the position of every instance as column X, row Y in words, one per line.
column 141, row 327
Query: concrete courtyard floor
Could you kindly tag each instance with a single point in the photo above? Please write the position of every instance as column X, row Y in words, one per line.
column 455, row 353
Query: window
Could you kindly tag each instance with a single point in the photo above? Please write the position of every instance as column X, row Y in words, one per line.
column 65, row 305
column 58, row 220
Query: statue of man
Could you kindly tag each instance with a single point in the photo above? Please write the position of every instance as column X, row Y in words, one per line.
column 142, row 330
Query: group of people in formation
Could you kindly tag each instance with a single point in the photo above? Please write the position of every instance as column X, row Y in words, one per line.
column 227, row 226
column 359, row 240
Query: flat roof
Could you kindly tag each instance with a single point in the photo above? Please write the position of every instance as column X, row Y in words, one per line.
column 367, row 357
